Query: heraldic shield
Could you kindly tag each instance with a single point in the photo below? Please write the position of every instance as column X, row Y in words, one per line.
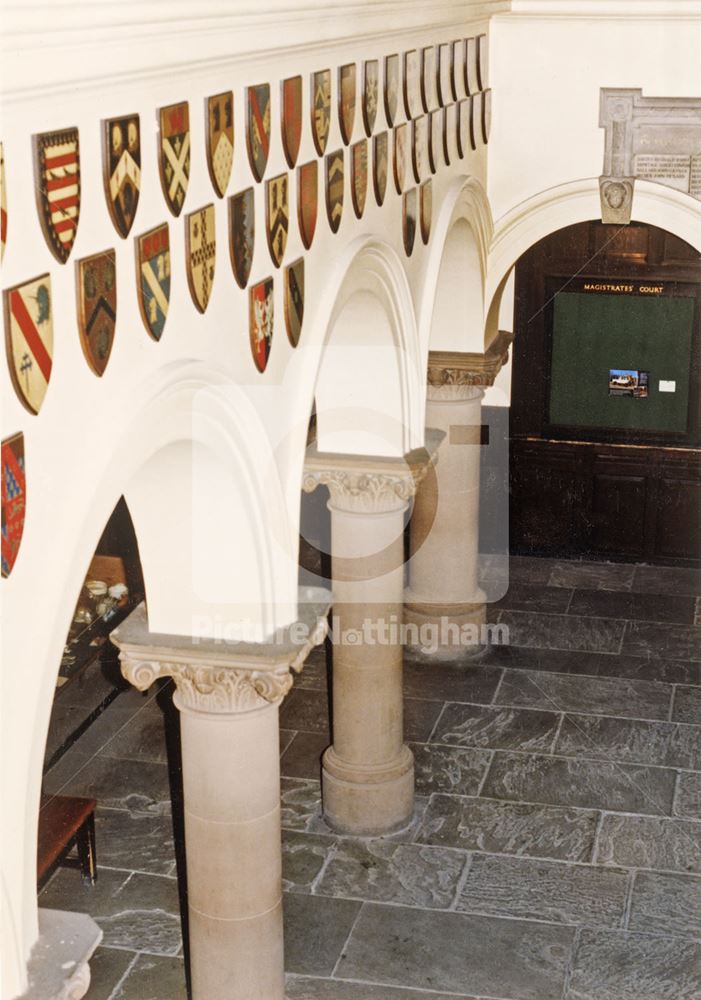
column 307, row 200
column 380, row 161
column 260, row 322
column 346, row 101
column 29, row 339
column 371, row 89
column 57, row 185
column 121, row 147
column 174, row 160
column 334, row 189
column 3, row 204
column 321, row 109
column 14, row 499
column 277, row 215
column 97, row 307
column 220, row 140
column 241, row 234
column 258, row 128
column 294, row 300
column 291, row 118
column 359, row 176
column 153, row 278
column 409, row 220
column 391, row 88
column 200, row 254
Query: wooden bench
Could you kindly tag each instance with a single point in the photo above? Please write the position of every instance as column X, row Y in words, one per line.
column 65, row 821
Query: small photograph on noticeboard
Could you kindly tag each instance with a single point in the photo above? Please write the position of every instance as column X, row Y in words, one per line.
column 628, row 382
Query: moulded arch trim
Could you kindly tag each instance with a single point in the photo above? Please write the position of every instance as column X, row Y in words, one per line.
column 465, row 201
column 371, row 267
column 568, row 204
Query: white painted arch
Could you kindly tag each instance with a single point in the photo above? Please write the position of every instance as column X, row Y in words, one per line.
column 567, row 204
column 199, row 477
column 451, row 316
column 369, row 386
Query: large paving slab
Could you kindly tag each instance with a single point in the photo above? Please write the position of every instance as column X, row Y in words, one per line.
column 456, row 952
column 650, row 842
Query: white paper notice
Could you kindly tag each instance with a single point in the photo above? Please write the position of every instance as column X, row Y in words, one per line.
column 665, row 386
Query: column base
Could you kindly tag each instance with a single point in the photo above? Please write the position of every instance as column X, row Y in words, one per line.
column 58, row 967
column 445, row 633
column 365, row 801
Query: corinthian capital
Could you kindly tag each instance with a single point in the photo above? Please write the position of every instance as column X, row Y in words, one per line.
column 221, row 677
column 457, row 375
column 368, row 484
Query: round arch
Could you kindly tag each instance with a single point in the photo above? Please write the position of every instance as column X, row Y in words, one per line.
column 369, row 390
column 570, row 203
column 199, row 476
column 451, row 316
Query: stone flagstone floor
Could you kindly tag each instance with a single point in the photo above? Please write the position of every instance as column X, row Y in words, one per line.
column 556, row 849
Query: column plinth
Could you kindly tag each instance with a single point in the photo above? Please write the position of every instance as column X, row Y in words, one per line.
column 444, row 604
column 228, row 694
column 368, row 772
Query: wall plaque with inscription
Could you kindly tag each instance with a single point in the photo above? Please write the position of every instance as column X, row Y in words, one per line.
column 654, row 138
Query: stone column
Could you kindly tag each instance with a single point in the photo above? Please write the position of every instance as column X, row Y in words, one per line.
column 228, row 695
column 368, row 772
column 444, row 599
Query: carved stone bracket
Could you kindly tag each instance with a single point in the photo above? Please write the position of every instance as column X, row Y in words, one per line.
column 222, row 677
column 457, row 375
column 651, row 138
column 367, row 484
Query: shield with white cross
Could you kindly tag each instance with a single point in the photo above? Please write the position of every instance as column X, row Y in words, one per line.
column 174, row 159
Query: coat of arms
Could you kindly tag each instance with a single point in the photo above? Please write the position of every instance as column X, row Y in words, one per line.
column 419, row 148
column 472, row 84
column 153, row 278
column 371, row 90
column 174, row 161
column 258, row 128
column 307, row 200
column 121, row 147
column 401, row 153
column 294, row 300
column 486, row 115
column 220, row 140
column 14, row 499
column 260, row 321
column 200, row 251
column 3, row 205
column 476, row 119
column 277, row 216
column 97, row 307
column 425, row 210
column 346, row 101
column 380, row 166
column 445, row 74
column 57, row 185
column 464, row 130
column 321, row 109
column 435, row 139
column 459, row 69
column 359, row 176
column 291, row 118
column 409, row 220
column 242, row 229
column 334, row 189
column 391, row 88
column 412, row 83
column 29, row 339
column 429, row 88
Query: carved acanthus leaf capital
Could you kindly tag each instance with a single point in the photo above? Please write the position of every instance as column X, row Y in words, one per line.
column 210, row 688
column 366, row 492
column 457, row 375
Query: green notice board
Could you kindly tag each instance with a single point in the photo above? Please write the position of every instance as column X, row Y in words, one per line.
column 595, row 333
